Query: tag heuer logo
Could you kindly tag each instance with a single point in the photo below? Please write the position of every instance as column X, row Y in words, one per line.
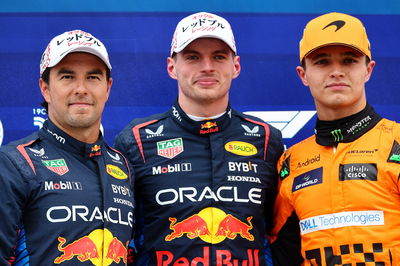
column 58, row 166
column 170, row 148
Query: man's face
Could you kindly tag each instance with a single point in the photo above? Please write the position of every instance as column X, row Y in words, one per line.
column 77, row 92
column 336, row 76
column 204, row 71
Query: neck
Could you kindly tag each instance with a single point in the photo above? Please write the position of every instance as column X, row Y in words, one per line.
column 334, row 113
column 87, row 135
column 346, row 129
column 204, row 109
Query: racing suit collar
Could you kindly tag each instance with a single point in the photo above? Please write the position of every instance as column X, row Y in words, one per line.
column 59, row 138
column 202, row 128
column 347, row 129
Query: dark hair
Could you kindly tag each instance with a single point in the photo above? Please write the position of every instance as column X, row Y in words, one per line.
column 46, row 78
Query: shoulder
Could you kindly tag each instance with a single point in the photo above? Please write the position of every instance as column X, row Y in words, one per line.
column 15, row 157
column 15, row 145
column 249, row 119
column 296, row 153
column 127, row 133
column 388, row 129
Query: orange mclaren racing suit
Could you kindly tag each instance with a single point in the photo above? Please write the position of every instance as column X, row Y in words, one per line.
column 341, row 203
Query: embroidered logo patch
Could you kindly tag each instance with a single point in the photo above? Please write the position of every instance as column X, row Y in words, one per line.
column 170, row 148
column 115, row 171
column 358, row 171
column 285, row 170
column 394, row 156
column 241, row 148
column 307, row 179
column 58, row 166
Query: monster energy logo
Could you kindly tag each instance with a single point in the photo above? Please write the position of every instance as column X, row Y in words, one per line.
column 337, row 135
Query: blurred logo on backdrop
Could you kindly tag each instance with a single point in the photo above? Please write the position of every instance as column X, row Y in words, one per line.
column 288, row 122
column 1, row 133
column 39, row 116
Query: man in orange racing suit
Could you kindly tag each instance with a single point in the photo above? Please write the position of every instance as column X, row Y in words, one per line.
column 338, row 201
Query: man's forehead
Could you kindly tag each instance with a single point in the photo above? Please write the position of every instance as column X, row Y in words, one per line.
column 207, row 44
column 329, row 50
column 78, row 58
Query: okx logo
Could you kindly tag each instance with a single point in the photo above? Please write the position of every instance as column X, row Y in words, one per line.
column 337, row 135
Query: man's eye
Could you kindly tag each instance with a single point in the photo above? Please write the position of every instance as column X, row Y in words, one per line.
column 192, row 57
column 321, row 62
column 349, row 60
column 94, row 77
column 66, row 77
column 220, row 57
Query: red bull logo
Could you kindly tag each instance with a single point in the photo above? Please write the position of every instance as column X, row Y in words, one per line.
column 212, row 225
column 208, row 127
column 95, row 151
column 194, row 226
column 222, row 257
column 84, row 249
column 117, row 251
column 100, row 247
column 231, row 226
column 95, row 148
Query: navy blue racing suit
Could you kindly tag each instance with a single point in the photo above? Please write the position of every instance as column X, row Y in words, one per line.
column 63, row 201
column 204, row 189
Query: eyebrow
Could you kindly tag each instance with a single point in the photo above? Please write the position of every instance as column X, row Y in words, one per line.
column 222, row 51
column 91, row 72
column 324, row 55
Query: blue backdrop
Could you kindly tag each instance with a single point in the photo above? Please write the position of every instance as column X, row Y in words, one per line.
column 138, row 34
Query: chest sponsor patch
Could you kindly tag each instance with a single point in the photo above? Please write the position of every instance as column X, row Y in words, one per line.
column 170, row 148
column 115, row 172
column 285, row 169
column 394, row 156
column 358, row 171
column 307, row 179
column 58, row 166
column 241, row 148
column 341, row 219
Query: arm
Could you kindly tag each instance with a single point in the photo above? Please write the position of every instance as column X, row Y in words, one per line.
column 12, row 198
column 124, row 143
column 285, row 236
